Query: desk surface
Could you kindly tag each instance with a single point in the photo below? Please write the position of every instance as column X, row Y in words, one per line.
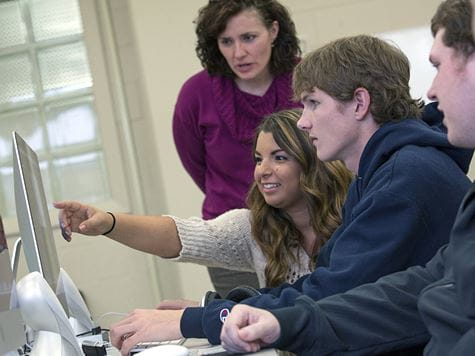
column 199, row 347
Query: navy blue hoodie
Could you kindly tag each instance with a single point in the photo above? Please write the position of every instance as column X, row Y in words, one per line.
column 399, row 211
column 434, row 303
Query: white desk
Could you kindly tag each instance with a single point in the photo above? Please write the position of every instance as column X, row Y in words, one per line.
column 199, row 347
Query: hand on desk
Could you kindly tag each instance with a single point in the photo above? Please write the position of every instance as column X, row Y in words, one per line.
column 248, row 329
column 175, row 304
column 145, row 325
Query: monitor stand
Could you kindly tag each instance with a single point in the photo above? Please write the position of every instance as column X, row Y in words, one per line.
column 66, row 290
column 79, row 315
column 43, row 312
column 16, row 256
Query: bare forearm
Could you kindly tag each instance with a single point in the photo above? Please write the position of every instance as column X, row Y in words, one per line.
column 152, row 234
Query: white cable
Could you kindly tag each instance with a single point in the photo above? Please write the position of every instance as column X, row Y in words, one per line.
column 108, row 314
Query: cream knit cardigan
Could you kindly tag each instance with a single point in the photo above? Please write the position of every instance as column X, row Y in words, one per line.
column 226, row 241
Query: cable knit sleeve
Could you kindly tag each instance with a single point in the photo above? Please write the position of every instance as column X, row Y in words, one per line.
column 225, row 241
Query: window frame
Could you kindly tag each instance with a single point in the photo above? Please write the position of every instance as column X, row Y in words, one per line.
column 105, row 98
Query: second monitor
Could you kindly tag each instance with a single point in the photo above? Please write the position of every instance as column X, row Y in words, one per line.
column 12, row 330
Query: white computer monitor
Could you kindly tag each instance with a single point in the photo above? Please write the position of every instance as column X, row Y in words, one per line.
column 33, row 217
column 37, row 234
column 12, row 328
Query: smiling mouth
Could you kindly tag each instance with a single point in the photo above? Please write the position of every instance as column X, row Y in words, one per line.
column 270, row 185
column 269, row 188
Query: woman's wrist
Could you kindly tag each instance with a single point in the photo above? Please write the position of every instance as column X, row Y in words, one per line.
column 113, row 223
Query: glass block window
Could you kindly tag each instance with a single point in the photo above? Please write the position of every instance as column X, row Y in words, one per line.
column 54, row 18
column 64, row 68
column 12, row 28
column 46, row 95
column 16, row 85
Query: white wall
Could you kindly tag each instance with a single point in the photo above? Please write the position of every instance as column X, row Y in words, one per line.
column 165, row 44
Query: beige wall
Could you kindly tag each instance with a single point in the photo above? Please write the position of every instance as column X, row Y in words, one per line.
column 165, row 38
column 319, row 21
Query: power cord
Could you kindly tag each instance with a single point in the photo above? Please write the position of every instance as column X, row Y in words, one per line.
column 109, row 314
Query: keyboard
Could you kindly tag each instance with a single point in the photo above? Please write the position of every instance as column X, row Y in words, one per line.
column 141, row 346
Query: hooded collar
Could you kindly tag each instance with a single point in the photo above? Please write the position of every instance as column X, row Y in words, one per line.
column 428, row 131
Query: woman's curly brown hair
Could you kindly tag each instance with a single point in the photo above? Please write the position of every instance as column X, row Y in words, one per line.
column 213, row 18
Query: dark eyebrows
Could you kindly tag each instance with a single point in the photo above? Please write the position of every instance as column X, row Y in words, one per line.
column 247, row 33
column 273, row 153
column 304, row 97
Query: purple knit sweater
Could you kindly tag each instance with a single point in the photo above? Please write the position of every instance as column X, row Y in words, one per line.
column 213, row 126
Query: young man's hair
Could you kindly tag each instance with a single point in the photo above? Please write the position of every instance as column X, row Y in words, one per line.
column 342, row 66
column 455, row 16
column 323, row 186
column 213, row 19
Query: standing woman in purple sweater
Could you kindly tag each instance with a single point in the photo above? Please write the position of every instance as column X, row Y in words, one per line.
column 248, row 49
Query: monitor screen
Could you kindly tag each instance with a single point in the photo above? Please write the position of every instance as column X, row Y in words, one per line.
column 12, row 331
column 33, row 217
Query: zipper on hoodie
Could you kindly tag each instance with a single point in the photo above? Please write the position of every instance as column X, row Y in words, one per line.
column 359, row 182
